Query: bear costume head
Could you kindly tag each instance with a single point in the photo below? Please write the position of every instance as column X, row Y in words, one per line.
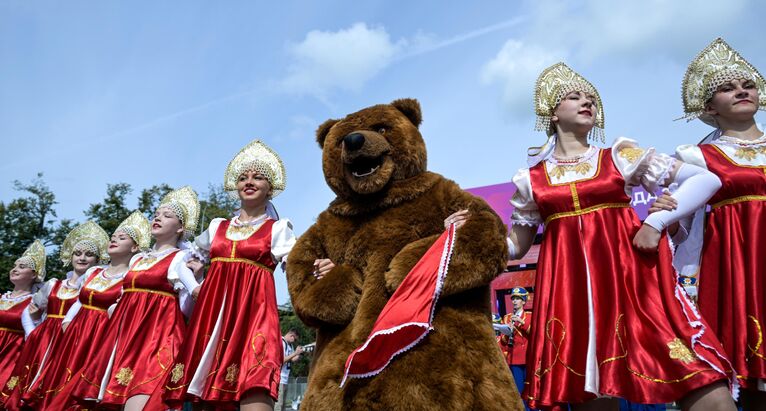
column 378, row 146
column 388, row 211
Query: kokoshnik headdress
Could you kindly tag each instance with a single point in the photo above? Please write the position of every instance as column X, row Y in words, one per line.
column 34, row 257
column 715, row 65
column 552, row 85
column 138, row 228
column 87, row 236
column 185, row 205
column 258, row 157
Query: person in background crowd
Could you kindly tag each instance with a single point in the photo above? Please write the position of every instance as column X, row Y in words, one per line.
column 291, row 355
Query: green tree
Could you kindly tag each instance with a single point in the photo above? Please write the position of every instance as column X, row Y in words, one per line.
column 150, row 198
column 217, row 204
column 29, row 217
column 112, row 210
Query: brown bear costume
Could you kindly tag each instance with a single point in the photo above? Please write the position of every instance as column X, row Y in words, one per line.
column 389, row 210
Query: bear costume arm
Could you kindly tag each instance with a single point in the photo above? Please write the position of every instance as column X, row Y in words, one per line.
column 331, row 300
column 480, row 249
column 480, row 252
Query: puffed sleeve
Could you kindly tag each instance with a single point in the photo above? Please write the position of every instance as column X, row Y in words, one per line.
column 525, row 210
column 640, row 166
column 40, row 299
column 282, row 239
column 691, row 154
column 200, row 247
column 179, row 275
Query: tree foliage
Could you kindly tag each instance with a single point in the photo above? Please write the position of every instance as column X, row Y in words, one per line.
column 110, row 212
column 150, row 198
column 29, row 217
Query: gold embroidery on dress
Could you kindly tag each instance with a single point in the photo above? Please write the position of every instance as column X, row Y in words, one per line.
column 242, row 232
column 746, row 153
column 679, row 351
column 66, row 293
column 232, row 372
column 631, row 153
column 12, row 382
column 6, row 304
column 759, row 333
column 624, row 355
column 177, row 373
column 145, row 264
column 99, row 283
column 539, row 372
column 560, row 170
column 124, row 376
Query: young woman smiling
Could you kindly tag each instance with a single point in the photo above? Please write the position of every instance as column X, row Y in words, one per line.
column 232, row 353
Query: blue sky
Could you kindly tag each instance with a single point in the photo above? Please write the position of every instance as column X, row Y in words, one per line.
column 146, row 92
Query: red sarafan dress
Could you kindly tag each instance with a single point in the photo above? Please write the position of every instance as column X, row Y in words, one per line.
column 142, row 337
column 233, row 345
column 608, row 320
column 83, row 337
column 54, row 298
column 732, row 278
column 11, row 336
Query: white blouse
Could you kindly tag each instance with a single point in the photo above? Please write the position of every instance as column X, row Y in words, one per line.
column 638, row 166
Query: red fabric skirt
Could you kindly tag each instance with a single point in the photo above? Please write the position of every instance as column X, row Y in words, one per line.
column 32, row 357
column 11, row 342
column 141, row 339
column 732, row 285
column 647, row 344
column 234, row 334
column 82, row 339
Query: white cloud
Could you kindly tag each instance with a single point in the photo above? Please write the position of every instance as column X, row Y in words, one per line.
column 343, row 59
column 348, row 58
column 515, row 69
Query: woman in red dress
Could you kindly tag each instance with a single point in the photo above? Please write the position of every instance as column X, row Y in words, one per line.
column 147, row 326
column 86, row 321
column 28, row 270
column 83, row 247
column 232, row 353
column 593, row 334
column 725, row 91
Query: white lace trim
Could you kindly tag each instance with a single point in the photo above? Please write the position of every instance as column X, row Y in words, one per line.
column 526, row 217
column 695, row 321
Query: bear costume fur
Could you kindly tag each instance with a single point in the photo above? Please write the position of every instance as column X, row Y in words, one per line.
column 388, row 211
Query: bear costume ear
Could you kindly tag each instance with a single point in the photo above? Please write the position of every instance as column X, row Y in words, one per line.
column 410, row 108
column 323, row 130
